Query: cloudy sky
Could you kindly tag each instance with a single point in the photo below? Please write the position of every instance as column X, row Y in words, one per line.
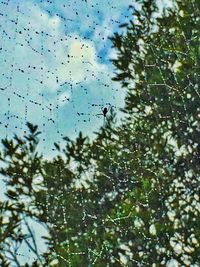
column 55, row 64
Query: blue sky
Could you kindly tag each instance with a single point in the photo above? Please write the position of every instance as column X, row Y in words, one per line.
column 55, row 63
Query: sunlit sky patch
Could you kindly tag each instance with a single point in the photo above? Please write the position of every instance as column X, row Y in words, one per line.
column 55, row 63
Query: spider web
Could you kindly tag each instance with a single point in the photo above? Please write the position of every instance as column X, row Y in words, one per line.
column 55, row 72
column 55, row 65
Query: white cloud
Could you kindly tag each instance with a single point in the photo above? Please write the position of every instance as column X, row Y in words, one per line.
column 53, row 57
column 81, row 62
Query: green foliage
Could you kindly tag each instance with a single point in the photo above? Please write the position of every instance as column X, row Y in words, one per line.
column 130, row 197
column 21, row 165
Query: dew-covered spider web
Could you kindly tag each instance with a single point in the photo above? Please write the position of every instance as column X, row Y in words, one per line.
column 55, row 65
column 56, row 72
